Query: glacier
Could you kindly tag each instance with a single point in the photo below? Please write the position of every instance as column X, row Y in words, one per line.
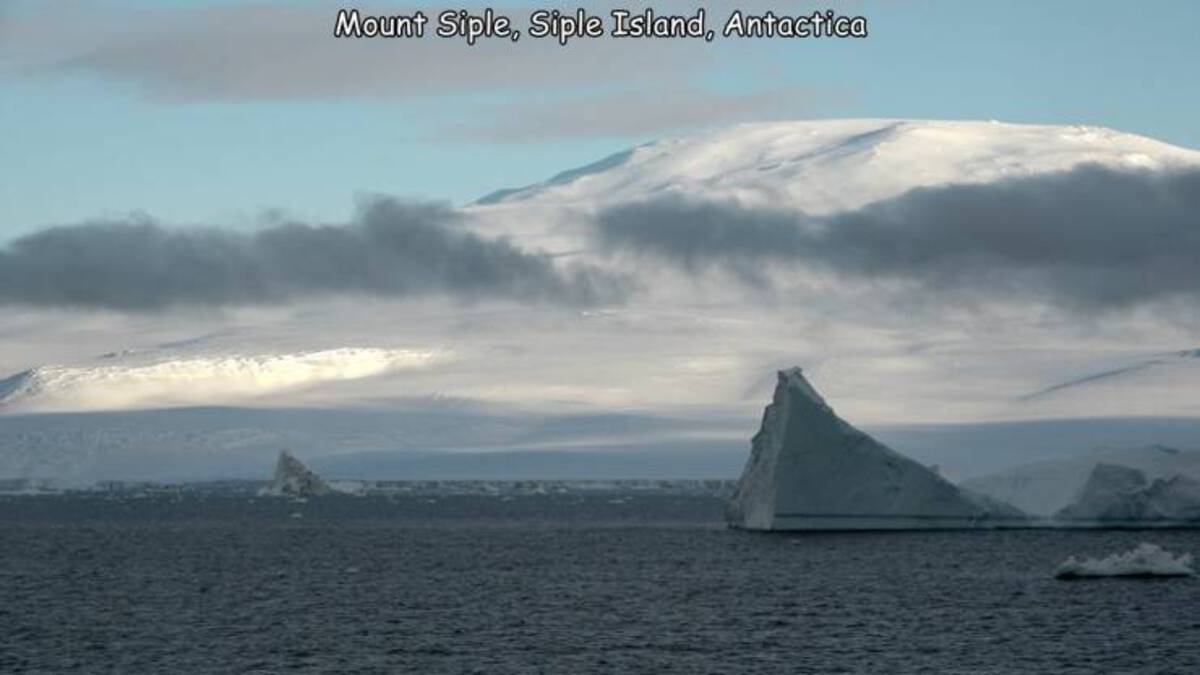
column 811, row 470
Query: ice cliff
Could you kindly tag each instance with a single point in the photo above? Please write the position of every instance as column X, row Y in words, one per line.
column 1045, row 487
column 293, row 479
column 1119, row 494
column 811, row 470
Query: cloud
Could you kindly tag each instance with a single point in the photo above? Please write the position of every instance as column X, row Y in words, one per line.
column 528, row 91
column 630, row 113
column 265, row 52
column 391, row 248
column 1090, row 239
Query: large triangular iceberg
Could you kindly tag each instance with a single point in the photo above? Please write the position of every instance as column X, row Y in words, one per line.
column 811, row 470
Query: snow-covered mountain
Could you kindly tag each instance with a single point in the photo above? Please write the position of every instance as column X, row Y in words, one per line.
column 824, row 166
column 682, row 347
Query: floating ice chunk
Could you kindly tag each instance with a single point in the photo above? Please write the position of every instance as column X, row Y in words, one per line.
column 1145, row 561
column 293, row 479
column 354, row 488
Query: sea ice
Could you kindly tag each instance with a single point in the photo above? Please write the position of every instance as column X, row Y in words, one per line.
column 1145, row 561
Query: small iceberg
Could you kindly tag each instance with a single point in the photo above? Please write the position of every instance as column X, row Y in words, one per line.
column 293, row 479
column 1145, row 562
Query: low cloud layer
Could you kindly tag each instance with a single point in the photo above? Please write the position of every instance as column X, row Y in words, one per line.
column 1091, row 239
column 391, row 248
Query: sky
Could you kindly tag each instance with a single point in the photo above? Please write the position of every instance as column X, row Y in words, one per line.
column 217, row 112
column 218, row 204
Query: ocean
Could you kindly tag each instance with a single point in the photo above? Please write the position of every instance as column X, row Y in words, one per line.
column 639, row 583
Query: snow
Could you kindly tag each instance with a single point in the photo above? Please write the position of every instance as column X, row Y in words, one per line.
column 687, row 350
column 1119, row 495
column 823, row 166
column 809, row 469
column 126, row 381
column 1147, row 560
column 817, row 166
column 293, row 479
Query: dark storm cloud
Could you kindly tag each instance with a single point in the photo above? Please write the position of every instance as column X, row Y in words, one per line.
column 1090, row 239
column 391, row 248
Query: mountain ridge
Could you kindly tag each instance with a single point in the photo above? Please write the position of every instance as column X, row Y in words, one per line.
column 872, row 159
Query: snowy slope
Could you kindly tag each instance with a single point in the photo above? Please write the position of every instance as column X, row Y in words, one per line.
column 831, row 165
column 131, row 380
column 680, row 348
column 692, row 343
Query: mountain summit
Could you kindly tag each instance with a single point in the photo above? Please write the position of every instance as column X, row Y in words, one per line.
column 825, row 166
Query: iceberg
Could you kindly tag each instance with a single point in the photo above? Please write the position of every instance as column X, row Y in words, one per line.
column 1145, row 561
column 293, row 479
column 1045, row 487
column 1117, row 495
column 811, row 470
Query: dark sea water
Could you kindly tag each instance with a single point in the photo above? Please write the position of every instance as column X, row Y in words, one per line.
column 553, row 584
